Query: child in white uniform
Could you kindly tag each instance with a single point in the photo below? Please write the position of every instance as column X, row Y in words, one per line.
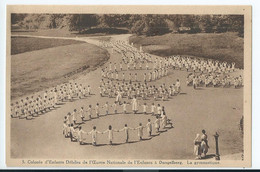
column 110, row 132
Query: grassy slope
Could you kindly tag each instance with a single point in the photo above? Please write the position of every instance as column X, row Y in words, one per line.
column 37, row 70
column 224, row 46
column 25, row 44
column 66, row 33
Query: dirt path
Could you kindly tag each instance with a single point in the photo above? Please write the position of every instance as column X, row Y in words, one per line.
column 212, row 109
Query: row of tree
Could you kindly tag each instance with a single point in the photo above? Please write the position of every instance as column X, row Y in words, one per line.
column 150, row 24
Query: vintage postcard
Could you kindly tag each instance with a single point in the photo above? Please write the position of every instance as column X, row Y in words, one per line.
column 128, row 86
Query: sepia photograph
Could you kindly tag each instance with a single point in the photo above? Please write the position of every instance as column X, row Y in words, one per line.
column 128, row 86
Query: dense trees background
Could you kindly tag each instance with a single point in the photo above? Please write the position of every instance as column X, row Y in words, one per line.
column 149, row 24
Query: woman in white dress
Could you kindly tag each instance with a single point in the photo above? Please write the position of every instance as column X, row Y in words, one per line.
column 197, row 150
column 134, row 105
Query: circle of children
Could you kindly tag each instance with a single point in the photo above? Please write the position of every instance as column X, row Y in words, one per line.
column 126, row 89
column 73, row 130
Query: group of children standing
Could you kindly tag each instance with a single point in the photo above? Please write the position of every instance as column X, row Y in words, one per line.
column 76, row 133
column 140, row 90
column 215, row 80
column 39, row 104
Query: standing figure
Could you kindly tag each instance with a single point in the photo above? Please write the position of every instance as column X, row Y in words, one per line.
column 80, row 135
column 149, row 127
column 204, row 144
column 94, row 133
column 134, row 105
column 140, row 131
column 126, row 129
column 157, row 124
column 197, row 149
column 178, row 86
column 110, row 134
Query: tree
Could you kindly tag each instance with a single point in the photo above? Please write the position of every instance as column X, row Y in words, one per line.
column 80, row 22
column 150, row 25
column 16, row 18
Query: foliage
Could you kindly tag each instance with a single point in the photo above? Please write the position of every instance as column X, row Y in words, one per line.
column 145, row 24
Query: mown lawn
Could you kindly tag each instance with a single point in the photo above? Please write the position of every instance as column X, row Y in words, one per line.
column 220, row 46
column 38, row 70
column 26, row 44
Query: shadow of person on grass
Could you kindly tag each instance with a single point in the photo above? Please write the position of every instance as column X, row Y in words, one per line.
column 61, row 103
column 199, row 88
column 208, row 156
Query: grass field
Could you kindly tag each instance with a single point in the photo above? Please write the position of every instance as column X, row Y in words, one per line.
column 37, row 70
column 26, row 44
column 65, row 33
column 223, row 46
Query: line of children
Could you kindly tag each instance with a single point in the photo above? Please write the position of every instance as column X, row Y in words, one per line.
column 214, row 80
column 129, row 90
column 39, row 104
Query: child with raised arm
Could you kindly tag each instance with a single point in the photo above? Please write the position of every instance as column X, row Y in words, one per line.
column 94, row 134
column 126, row 130
column 80, row 135
column 110, row 132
